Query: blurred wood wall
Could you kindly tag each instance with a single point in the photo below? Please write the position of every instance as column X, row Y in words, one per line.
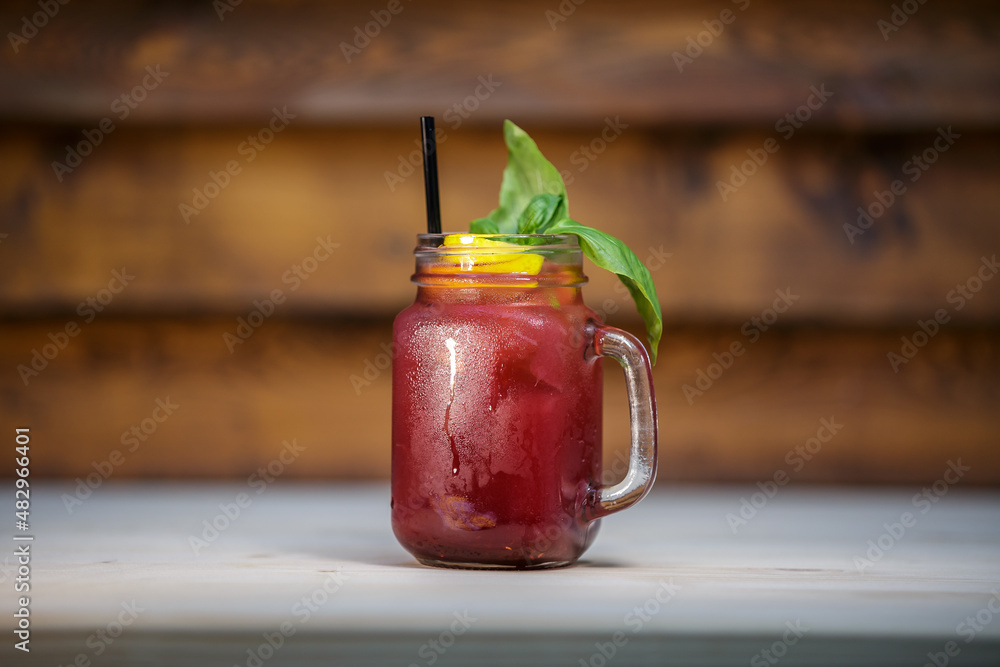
column 297, row 130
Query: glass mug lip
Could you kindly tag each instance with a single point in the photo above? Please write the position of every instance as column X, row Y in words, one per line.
column 563, row 250
column 434, row 243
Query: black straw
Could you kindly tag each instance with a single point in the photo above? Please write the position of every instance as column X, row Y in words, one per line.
column 431, row 175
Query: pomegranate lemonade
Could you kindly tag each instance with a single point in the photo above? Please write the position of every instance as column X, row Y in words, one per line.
column 496, row 425
column 497, row 430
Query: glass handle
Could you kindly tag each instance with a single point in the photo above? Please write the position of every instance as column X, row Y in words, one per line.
column 629, row 352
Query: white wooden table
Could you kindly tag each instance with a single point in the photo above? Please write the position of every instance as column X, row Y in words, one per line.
column 315, row 570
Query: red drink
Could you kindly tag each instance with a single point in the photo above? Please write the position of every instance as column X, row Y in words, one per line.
column 496, row 456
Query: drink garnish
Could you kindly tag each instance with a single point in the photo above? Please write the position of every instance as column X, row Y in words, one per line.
column 479, row 259
column 533, row 201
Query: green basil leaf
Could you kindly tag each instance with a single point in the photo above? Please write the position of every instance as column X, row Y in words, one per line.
column 533, row 201
column 527, row 174
column 609, row 253
column 483, row 226
column 540, row 213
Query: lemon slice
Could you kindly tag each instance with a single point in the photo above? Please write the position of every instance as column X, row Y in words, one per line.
column 479, row 259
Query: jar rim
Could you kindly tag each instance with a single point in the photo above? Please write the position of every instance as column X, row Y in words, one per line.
column 538, row 242
column 525, row 260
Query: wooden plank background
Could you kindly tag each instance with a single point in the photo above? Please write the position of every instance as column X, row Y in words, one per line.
column 783, row 228
column 293, row 379
column 338, row 172
column 605, row 58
